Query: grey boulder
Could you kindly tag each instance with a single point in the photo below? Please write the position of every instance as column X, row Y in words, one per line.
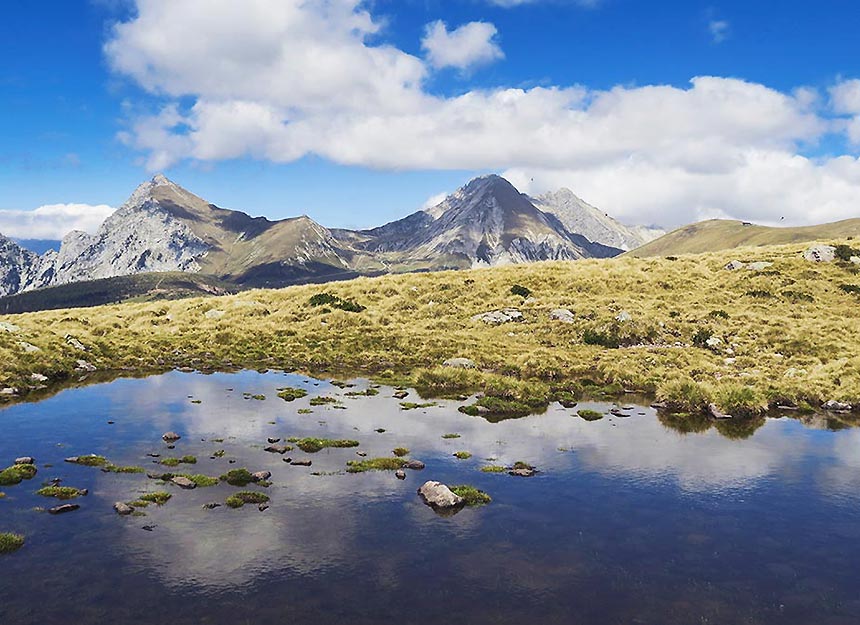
column 438, row 495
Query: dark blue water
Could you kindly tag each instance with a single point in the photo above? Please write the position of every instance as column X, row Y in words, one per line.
column 628, row 521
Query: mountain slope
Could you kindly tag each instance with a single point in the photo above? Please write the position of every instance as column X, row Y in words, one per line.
column 581, row 217
column 486, row 222
column 722, row 234
column 163, row 227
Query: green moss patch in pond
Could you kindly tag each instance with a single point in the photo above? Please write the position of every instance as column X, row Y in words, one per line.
column 305, row 411
column 160, row 498
column 291, row 394
column 16, row 473
column 374, row 464
column 493, row 468
column 368, row 392
column 523, row 465
column 91, row 460
column 471, row 495
column 175, row 462
column 60, row 492
column 10, row 542
column 590, row 415
column 240, row 499
column 450, row 436
column 113, row 468
column 462, row 455
column 400, row 451
column 202, row 481
column 238, row 477
column 322, row 400
column 313, row 445
column 411, row 405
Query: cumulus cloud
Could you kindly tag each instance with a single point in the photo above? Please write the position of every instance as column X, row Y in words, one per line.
column 467, row 46
column 52, row 221
column 281, row 79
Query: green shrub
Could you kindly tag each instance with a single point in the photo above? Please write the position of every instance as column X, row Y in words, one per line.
column 520, row 290
column 10, row 542
column 327, row 299
column 471, row 495
column 238, row 500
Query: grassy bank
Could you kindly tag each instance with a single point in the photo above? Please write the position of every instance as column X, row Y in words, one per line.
column 684, row 329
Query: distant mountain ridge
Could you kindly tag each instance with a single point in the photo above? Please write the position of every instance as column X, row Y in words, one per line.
column 163, row 227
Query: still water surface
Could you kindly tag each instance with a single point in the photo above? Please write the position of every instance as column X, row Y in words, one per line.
column 629, row 521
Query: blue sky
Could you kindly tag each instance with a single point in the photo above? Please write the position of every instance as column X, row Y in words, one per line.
column 80, row 122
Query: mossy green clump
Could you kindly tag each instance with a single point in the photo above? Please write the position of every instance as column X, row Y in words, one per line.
column 368, row 392
column 238, row 477
column 374, row 464
column 590, row 415
column 462, row 455
column 471, row 495
column 450, row 436
column 305, row 411
column 400, row 451
column 327, row 299
column 291, row 394
column 159, row 498
column 238, row 500
column 411, row 405
column 523, row 465
column 506, row 408
column 175, row 462
column 91, row 460
column 493, row 468
column 322, row 400
column 113, row 468
column 522, row 291
column 219, row 454
column 202, row 481
column 60, row 492
column 16, row 474
column 313, row 445
column 10, row 542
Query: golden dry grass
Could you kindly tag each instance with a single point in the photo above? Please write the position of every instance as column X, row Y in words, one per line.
column 788, row 333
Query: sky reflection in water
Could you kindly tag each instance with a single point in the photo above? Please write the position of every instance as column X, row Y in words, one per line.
column 628, row 521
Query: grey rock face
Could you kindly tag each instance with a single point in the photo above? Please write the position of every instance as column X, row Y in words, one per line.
column 563, row 315
column 820, row 254
column 496, row 317
column 582, row 218
column 183, row 482
column 459, row 363
column 734, row 265
column 837, row 406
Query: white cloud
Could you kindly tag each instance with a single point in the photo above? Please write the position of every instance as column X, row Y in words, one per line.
column 467, row 46
column 719, row 29
column 517, row 3
column 280, row 79
column 52, row 221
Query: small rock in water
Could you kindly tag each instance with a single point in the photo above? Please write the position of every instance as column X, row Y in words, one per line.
column 211, row 506
column 272, row 441
column 414, row 465
column 123, row 509
column 438, row 495
column 301, row 463
column 277, row 449
column 363, row 454
column 183, row 482
column 66, row 507
column 148, row 528
column 836, row 406
column 401, row 395
column 170, row 436
column 400, row 474
column 716, row 413
column 171, row 446
column 25, row 460
column 263, row 507
column 261, row 476
column 154, row 455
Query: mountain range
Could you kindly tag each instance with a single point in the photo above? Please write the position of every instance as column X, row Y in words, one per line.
column 163, row 227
